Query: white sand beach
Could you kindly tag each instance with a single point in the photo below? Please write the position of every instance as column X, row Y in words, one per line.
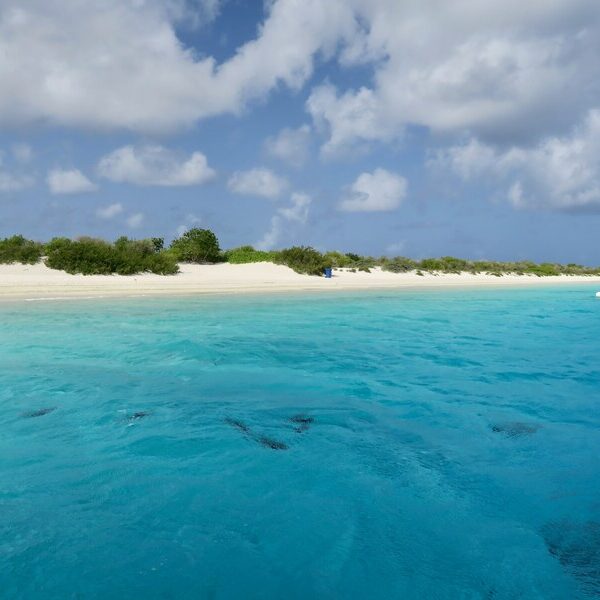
column 31, row 282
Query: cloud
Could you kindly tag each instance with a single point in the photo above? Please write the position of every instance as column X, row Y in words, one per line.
column 193, row 13
column 468, row 159
column 69, row 181
column 257, row 182
column 154, row 165
column 347, row 118
column 296, row 212
column 23, row 153
column 10, row 182
column 135, row 220
column 190, row 221
column 396, row 247
column 561, row 172
column 375, row 192
column 13, row 182
column 116, row 64
column 511, row 72
column 110, row 211
column 290, row 145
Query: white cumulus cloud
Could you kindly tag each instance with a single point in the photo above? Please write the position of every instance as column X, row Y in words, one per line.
column 297, row 212
column 109, row 211
column 347, row 118
column 23, row 153
column 134, row 221
column 506, row 71
column 69, row 181
column 121, row 64
column 290, row 145
column 561, row 172
column 257, row 182
column 375, row 192
column 503, row 71
column 10, row 182
column 155, row 165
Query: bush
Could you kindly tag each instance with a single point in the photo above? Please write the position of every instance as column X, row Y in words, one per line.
column 339, row 260
column 158, row 243
column 197, row 246
column 399, row 264
column 247, row 254
column 17, row 249
column 87, row 255
column 303, row 259
column 446, row 264
column 91, row 256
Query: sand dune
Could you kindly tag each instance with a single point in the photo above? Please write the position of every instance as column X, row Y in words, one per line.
column 37, row 281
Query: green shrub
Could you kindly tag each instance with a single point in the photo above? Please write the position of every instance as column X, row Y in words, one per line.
column 446, row 264
column 91, row 256
column 544, row 269
column 162, row 263
column 197, row 246
column 247, row 254
column 158, row 243
column 86, row 255
column 303, row 259
column 339, row 260
column 399, row 264
column 17, row 249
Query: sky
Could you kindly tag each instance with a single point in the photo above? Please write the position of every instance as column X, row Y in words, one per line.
column 385, row 127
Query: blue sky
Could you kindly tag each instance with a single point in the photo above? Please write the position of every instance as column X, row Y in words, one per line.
column 459, row 127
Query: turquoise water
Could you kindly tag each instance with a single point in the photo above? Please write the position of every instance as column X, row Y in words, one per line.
column 426, row 446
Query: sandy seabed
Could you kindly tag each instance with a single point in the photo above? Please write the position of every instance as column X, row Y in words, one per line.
column 34, row 282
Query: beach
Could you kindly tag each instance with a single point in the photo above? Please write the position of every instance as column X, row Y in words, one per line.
column 34, row 282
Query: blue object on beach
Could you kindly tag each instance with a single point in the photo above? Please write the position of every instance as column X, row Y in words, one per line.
column 328, row 272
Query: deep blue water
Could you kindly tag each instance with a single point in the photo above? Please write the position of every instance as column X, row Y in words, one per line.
column 410, row 445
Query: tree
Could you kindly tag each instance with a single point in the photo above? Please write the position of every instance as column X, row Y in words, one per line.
column 158, row 243
column 198, row 246
column 17, row 249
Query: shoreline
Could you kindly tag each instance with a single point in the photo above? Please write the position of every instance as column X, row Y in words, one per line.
column 39, row 283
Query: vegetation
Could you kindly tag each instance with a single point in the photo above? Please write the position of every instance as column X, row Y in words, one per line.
column 126, row 256
column 17, row 249
column 197, row 246
column 303, row 259
column 449, row 264
column 247, row 254
column 91, row 256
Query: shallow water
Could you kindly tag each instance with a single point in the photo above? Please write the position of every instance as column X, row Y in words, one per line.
column 398, row 445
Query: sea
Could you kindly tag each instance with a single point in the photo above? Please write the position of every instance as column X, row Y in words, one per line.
column 410, row 445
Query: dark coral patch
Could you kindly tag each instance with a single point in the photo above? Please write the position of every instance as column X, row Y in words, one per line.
column 38, row 413
column 271, row 443
column 577, row 548
column 302, row 422
column 514, row 429
column 239, row 425
column 265, row 441
column 138, row 415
